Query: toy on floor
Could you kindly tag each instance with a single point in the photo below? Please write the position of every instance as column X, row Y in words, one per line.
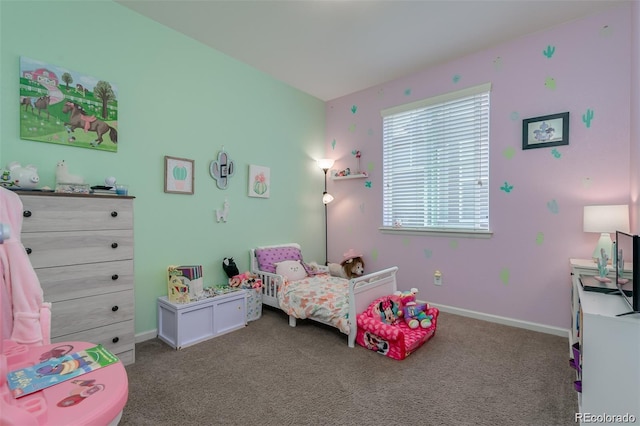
column 352, row 265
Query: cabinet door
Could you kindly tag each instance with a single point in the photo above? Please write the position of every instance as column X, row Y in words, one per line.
column 230, row 314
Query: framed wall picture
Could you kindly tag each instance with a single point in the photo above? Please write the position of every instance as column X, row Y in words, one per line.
column 66, row 107
column 545, row 131
column 259, row 181
column 178, row 175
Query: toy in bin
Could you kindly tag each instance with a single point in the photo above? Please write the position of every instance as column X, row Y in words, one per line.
column 184, row 283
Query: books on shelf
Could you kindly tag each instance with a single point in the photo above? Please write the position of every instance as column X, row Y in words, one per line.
column 25, row 381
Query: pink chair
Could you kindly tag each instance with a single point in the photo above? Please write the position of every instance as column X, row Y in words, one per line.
column 95, row 398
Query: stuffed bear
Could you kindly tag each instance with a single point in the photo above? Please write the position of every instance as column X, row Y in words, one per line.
column 414, row 314
column 352, row 266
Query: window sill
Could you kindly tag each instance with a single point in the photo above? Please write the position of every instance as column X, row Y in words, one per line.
column 461, row 233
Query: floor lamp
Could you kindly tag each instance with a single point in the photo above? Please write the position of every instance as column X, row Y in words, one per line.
column 325, row 164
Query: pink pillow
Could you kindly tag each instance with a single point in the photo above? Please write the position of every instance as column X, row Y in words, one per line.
column 268, row 257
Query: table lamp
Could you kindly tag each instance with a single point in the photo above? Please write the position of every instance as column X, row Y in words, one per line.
column 605, row 220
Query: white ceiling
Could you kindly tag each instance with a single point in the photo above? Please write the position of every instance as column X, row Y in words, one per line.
column 329, row 49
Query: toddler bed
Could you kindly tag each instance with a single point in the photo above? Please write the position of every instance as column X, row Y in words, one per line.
column 307, row 294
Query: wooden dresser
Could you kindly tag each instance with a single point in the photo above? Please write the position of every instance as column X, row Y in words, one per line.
column 81, row 247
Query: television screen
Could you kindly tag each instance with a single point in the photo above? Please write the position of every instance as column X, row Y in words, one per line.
column 627, row 266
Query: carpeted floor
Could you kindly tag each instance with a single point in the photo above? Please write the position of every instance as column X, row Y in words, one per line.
column 471, row 373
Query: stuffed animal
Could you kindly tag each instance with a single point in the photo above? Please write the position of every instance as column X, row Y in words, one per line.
column 352, row 265
column 414, row 314
column 229, row 266
column 245, row 280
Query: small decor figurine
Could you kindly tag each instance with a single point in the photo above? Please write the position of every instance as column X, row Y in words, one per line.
column 603, row 270
column 63, row 175
column 222, row 169
column 18, row 177
column 221, row 214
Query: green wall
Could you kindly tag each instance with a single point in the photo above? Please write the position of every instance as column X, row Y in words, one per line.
column 176, row 97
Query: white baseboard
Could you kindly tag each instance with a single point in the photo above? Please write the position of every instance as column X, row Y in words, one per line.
column 146, row 335
column 562, row 332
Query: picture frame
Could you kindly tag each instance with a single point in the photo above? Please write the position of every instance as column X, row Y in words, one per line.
column 259, row 181
column 545, row 131
column 178, row 175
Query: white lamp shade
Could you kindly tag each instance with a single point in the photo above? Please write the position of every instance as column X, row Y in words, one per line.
column 325, row 163
column 606, row 218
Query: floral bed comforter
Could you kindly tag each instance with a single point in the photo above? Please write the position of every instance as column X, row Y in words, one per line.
column 319, row 297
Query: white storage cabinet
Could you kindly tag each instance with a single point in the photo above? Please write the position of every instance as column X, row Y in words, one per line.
column 609, row 355
column 185, row 324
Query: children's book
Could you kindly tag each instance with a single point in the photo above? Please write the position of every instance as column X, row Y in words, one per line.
column 57, row 370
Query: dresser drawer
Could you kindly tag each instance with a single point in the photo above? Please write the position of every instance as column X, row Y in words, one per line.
column 54, row 213
column 72, row 282
column 75, row 315
column 117, row 337
column 76, row 247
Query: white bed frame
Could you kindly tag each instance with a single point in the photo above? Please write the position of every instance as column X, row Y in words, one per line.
column 362, row 290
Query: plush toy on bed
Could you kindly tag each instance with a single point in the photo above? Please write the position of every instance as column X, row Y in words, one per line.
column 414, row 314
column 352, row 266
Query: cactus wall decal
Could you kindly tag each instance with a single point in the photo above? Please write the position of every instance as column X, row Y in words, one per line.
column 221, row 170
column 549, row 51
column 587, row 117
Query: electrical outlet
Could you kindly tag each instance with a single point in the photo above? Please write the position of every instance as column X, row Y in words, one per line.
column 437, row 278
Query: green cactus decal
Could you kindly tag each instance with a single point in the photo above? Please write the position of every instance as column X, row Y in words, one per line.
column 549, row 51
column 354, row 109
column 587, row 117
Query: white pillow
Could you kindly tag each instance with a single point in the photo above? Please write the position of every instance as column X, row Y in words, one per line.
column 291, row 269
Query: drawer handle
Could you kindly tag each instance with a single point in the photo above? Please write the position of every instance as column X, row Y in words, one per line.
column 26, row 213
column 114, row 214
column 114, row 277
column 115, row 308
column 114, row 245
column 28, row 250
column 115, row 339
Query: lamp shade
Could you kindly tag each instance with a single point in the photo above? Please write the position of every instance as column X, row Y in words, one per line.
column 325, row 163
column 606, row 218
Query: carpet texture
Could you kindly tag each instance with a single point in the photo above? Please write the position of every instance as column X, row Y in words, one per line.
column 471, row 373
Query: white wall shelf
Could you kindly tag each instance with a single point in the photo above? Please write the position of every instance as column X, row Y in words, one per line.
column 351, row 176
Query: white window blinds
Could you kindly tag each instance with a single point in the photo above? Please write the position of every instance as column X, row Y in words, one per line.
column 436, row 162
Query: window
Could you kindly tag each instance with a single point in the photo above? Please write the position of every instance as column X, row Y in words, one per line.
column 436, row 163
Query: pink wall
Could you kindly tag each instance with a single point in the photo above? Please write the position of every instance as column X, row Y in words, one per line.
column 522, row 272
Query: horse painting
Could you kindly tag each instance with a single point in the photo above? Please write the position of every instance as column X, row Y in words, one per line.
column 80, row 119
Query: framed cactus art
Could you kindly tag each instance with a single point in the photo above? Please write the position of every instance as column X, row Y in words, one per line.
column 178, row 175
column 259, row 181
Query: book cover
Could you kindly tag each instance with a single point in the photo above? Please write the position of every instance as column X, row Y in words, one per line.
column 27, row 380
